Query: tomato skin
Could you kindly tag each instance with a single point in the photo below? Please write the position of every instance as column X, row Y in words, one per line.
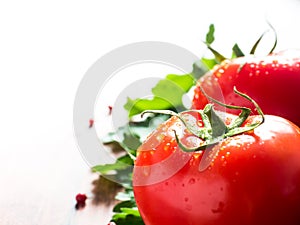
column 254, row 179
column 273, row 81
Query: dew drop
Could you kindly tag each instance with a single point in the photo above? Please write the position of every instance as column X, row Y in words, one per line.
column 192, row 181
column 188, row 207
column 160, row 137
column 166, row 148
column 224, row 163
column 261, row 143
column 218, row 74
column 219, row 209
column 146, row 170
column 263, row 63
column 221, row 71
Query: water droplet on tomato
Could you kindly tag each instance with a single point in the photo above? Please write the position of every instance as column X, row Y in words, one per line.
column 186, row 199
column 146, row 170
column 188, row 207
column 192, row 181
column 166, row 148
column 218, row 74
column 219, row 209
column 224, row 163
column 160, row 137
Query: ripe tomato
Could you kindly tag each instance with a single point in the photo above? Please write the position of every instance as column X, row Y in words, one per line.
column 252, row 178
column 272, row 81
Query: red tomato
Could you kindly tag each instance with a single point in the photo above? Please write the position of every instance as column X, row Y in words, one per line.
column 252, row 179
column 272, row 81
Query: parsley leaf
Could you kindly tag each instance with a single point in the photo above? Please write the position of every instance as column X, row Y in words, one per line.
column 167, row 95
column 210, row 35
column 128, row 216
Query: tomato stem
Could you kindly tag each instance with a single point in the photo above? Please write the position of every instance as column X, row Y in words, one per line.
column 214, row 128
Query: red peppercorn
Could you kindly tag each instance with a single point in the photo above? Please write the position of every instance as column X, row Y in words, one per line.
column 110, row 110
column 80, row 199
column 91, row 123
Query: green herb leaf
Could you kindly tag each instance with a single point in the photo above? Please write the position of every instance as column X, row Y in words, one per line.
column 128, row 216
column 167, row 95
column 126, row 211
column 210, row 63
column 122, row 163
column 124, row 204
column 218, row 57
column 237, row 52
column 199, row 69
column 210, row 35
column 133, row 133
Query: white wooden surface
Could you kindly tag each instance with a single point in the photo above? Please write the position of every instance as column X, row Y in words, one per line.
column 39, row 187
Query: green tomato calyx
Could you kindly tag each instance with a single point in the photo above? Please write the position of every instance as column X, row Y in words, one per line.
column 214, row 129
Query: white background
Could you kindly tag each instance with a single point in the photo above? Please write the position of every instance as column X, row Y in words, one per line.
column 47, row 46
